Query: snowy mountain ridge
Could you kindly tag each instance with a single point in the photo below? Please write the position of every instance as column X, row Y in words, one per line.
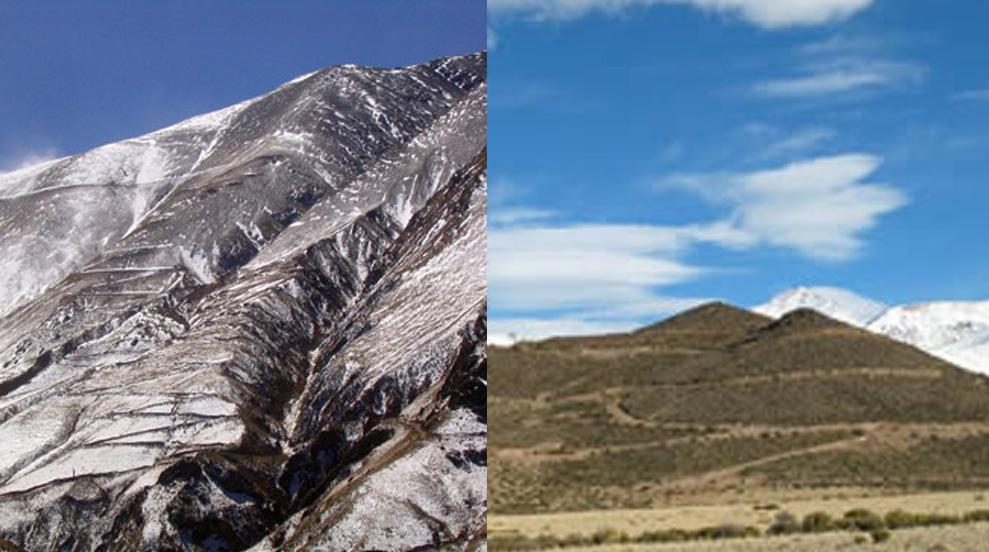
column 955, row 331
column 261, row 328
column 837, row 303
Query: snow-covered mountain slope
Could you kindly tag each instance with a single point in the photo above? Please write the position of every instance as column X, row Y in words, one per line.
column 246, row 329
column 955, row 331
column 837, row 303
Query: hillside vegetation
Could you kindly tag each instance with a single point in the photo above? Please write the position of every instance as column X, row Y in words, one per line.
column 720, row 404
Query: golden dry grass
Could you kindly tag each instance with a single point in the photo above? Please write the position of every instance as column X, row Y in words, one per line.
column 959, row 538
column 759, row 514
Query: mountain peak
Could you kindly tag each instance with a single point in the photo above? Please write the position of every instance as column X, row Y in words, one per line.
column 804, row 319
column 713, row 316
column 834, row 302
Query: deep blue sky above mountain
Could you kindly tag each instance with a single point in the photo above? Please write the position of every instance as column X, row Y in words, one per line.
column 76, row 75
column 648, row 154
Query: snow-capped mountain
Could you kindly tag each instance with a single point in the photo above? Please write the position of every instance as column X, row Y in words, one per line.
column 260, row 328
column 955, row 331
column 837, row 303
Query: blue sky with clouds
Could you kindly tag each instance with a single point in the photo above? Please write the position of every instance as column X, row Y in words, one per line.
column 648, row 154
column 76, row 75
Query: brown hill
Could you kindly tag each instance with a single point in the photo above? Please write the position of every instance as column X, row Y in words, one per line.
column 718, row 398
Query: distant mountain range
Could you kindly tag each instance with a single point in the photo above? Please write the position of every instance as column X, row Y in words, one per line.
column 954, row 331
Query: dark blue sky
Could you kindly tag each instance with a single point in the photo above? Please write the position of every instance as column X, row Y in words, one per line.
column 76, row 75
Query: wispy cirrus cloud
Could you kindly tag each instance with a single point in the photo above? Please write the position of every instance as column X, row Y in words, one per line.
column 777, row 143
column 506, row 331
column 768, row 14
column 842, row 75
column 564, row 279
column 846, row 44
column 842, row 65
column 579, row 266
column 520, row 215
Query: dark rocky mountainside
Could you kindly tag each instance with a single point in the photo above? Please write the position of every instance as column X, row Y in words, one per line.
column 262, row 328
column 720, row 402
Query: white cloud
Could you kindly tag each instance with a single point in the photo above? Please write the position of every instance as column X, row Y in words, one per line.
column 518, row 215
column 492, row 38
column 844, row 44
column 777, row 143
column 843, row 75
column 651, row 308
column 821, row 83
column 594, row 265
column 769, row 14
column 802, row 140
column 506, row 331
column 818, row 207
column 561, row 279
column 622, row 318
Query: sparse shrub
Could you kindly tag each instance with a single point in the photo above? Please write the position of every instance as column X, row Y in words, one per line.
column 573, row 539
column 670, row 535
column 874, row 527
column 746, row 532
column 863, row 520
column 939, row 519
column 609, row 536
column 785, row 523
column 898, row 519
column 977, row 515
column 880, row 535
column 726, row 531
column 818, row 522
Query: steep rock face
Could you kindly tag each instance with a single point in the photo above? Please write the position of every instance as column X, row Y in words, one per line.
column 256, row 324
